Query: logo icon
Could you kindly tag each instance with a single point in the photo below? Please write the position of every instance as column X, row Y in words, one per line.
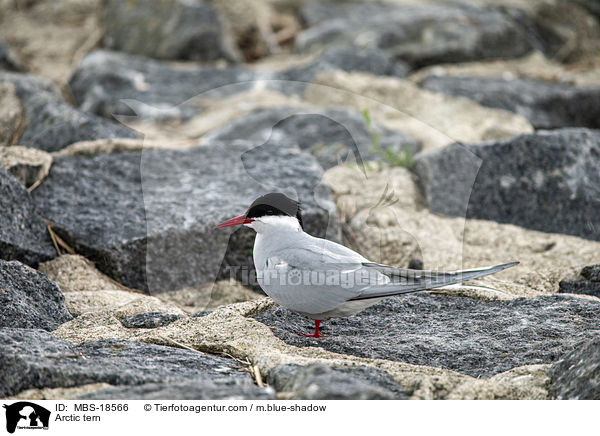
column 26, row 415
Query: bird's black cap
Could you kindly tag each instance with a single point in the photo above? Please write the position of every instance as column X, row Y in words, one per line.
column 275, row 204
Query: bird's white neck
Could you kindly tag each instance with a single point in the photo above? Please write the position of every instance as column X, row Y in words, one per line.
column 268, row 224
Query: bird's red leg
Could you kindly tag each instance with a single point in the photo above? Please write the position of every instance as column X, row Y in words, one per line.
column 316, row 334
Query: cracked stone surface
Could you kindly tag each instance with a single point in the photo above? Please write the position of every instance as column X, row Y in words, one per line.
column 36, row 359
column 477, row 338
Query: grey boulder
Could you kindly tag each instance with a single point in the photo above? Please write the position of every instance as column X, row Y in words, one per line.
column 36, row 359
column 545, row 181
column 577, row 375
column 50, row 124
column 546, row 105
column 109, row 83
column 469, row 336
column 333, row 135
column 28, row 299
column 23, row 233
column 147, row 218
column 167, row 29
column 419, row 34
column 321, row 382
column 588, row 282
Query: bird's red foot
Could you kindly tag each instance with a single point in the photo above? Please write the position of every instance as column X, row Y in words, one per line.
column 316, row 333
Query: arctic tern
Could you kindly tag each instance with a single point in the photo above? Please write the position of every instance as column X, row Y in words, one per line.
column 321, row 279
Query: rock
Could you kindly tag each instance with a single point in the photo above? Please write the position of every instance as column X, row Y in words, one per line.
column 222, row 389
column 588, row 282
column 321, row 382
column 332, row 135
column 577, row 375
column 36, row 359
column 151, row 89
column 556, row 191
column 434, row 119
column 545, row 105
column 74, row 273
column 149, row 320
column 50, row 123
column 8, row 61
column 469, row 336
column 591, row 272
column 28, row 165
column 28, row 299
column 11, row 114
column 152, row 244
column 172, row 29
column 23, row 233
column 420, row 34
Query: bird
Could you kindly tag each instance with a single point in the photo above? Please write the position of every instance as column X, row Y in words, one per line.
column 321, row 279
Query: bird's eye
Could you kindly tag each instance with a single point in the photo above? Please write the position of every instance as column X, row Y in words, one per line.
column 270, row 212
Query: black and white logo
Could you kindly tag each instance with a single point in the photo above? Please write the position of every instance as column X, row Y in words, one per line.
column 26, row 415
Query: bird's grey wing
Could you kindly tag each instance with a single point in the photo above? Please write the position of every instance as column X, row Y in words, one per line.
column 404, row 281
column 316, row 278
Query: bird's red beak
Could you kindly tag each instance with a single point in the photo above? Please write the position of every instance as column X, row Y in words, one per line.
column 235, row 222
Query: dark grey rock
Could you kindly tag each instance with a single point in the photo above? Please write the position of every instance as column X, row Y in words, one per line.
column 36, row 359
column 546, row 105
column 149, row 320
column 165, row 239
column 547, row 181
column 28, row 299
column 332, row 135
column 577, row 375
column 321, row 382
column 50, row 123
column 102, row 216
column 420, row 34
column 151, row 89
column 466, row 335
column 591, row 273
column 8, row 61
column 205, row 389
column 588, row 282
column 23, row 233
column 415, row 263
column 575, row 286
column 167, row 29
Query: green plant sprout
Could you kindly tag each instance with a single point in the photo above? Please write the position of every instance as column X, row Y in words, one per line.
column 402, row 158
